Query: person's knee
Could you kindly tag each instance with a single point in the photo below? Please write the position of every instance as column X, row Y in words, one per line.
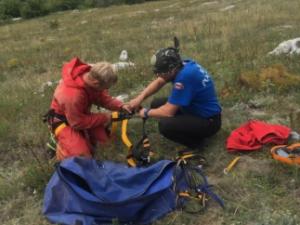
column 72, row 143
column 165, row 127
column 214, row 128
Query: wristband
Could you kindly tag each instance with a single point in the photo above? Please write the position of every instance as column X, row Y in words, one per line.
column 146, row 112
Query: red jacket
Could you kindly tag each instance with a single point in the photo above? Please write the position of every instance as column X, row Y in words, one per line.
column 73, row 98
column 254, row 134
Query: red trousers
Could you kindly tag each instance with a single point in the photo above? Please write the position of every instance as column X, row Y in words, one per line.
column 71, row 142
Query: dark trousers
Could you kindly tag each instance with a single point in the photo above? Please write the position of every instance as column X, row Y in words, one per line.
column 186, row 129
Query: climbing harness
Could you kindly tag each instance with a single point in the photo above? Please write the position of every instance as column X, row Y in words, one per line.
column 289, row 154
column 199, row 190
column 56, row 123
column 54, row 120
column 140, row 153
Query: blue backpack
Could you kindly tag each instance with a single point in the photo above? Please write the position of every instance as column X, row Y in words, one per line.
column 88, row 192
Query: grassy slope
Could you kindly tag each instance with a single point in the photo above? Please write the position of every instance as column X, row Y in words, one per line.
column 227, row 43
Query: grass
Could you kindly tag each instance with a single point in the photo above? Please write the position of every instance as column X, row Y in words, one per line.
column 259, row 191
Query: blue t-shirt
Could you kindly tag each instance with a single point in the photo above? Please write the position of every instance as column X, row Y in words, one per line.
column 193, row 90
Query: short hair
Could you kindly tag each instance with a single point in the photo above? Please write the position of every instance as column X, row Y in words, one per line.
column 104, row 72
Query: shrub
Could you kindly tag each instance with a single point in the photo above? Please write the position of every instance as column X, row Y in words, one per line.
column 9, row 9
column 33, row 8
column 60, row 5
column 53, row 24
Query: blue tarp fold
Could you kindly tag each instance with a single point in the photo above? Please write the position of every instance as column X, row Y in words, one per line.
column 88, row 192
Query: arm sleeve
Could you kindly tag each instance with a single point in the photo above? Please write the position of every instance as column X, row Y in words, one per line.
column 108, row 102
column 78, row 118
column 182, row 93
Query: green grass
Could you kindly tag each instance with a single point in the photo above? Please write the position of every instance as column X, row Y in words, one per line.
column 259, row 191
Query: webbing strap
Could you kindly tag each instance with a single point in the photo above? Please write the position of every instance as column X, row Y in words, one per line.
column 124, row 135
column 114, row 124
column 116, row 119
column 59, row 128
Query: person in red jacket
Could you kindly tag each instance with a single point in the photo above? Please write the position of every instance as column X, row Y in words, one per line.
column 77, row 130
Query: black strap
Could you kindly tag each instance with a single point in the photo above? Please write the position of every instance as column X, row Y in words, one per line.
column 54, row 119
column 123, row 115
column 140, row 152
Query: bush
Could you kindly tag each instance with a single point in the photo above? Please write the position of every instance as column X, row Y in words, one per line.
column 105, row 3
column 33, row 8
column 10, row 9
column 53, row 24
column 61, row 5
column 134, row 1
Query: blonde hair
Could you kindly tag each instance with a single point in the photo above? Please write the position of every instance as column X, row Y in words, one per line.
column 104, row 72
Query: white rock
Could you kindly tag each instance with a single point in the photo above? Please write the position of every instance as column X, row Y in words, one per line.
column 49, row 83
column 227, row 8
column 16, row 18
column 209, row 3
column 46, row 84
column 122, row 97
column 122, row 65
column 291, row 46
column 295, row 136
column 123, row 55
column 287, row 26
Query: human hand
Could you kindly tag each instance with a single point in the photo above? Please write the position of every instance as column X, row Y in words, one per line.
column 127, row 107
column 135, row 104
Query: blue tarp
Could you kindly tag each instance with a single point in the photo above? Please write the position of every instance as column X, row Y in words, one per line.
column 88, row 192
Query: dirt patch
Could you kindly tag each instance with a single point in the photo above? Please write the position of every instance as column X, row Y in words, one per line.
column 7, row 156
column 272, row 75
column 212, row 215
column 249, row 164
column 245, row 164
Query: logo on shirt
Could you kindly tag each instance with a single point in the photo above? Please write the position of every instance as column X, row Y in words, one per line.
column 206, row 78
column 178, row 86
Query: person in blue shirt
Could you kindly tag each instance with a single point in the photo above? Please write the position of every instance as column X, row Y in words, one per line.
column 192, row 111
